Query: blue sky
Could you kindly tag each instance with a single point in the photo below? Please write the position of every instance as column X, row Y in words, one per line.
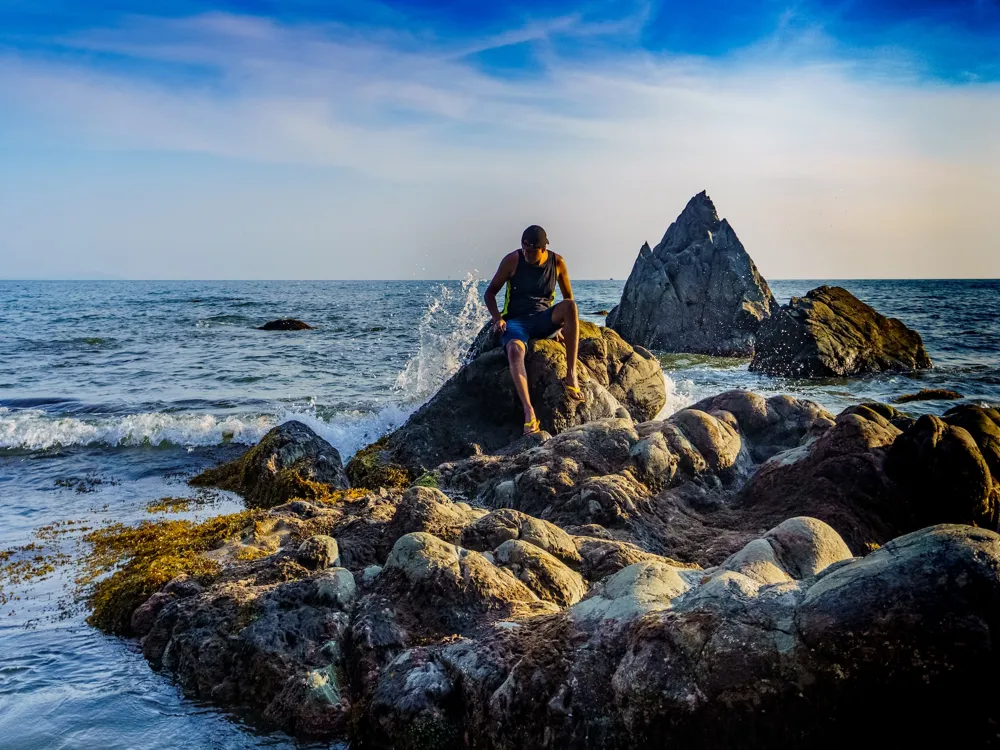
column 343, row 139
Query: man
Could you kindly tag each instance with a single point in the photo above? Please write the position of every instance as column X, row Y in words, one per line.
column 531, row 275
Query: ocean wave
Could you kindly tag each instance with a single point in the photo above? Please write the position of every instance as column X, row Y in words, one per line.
column 35, row 430
column 679, row 396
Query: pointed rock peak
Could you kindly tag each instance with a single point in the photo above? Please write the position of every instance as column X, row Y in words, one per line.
column 700, row 211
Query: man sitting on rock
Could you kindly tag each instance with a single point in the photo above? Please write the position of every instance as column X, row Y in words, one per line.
column 531, row 274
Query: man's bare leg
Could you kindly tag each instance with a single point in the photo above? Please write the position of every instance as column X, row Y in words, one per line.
column 515, row 356
column 565, row 315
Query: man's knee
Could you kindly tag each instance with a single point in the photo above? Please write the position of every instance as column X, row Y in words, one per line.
column 516, row 349
column 567, row 309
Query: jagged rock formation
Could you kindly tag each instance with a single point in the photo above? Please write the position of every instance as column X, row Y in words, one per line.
column 477, row 411
column 689, row 581
column 696, row 291
column 831, row 333
column 289, row 461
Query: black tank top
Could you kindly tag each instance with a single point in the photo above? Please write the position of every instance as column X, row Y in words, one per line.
column 532, row 288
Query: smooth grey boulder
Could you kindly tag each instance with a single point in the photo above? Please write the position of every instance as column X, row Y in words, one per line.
column 696, row 291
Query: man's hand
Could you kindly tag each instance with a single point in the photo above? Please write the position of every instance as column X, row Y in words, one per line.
column 500, row 325
column 559, row 336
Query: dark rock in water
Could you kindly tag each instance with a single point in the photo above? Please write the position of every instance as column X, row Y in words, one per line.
column 831, row 333
column 290, row 461
column 696, row 291
column 285, row 324
column 477, row 411
column 602, row 312
column 930, row 394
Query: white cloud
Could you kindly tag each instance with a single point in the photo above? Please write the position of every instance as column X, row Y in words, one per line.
column 825, row 169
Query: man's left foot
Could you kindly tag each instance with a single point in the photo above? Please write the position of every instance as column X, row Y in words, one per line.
column 574, row 392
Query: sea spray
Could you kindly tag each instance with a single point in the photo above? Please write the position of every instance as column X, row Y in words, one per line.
column 678, row 397
column 449, row 324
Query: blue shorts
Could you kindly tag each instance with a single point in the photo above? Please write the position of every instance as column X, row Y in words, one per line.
column 538, row 325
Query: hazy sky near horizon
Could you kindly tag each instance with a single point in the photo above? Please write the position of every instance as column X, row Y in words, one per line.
column 313, row 140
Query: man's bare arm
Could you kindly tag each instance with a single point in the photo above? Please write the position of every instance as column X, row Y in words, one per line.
column 562, row 277
column 507, row 267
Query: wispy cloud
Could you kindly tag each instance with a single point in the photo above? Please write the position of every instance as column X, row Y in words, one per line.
column 809, row 149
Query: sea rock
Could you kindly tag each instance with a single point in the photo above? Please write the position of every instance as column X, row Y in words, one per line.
column 279, row 649
column 697, row 291
column 477, row 411
column 431, row 585
column 493, row 529
column 285, row 324
column 318, row 552
column 430, row 510
column 839, row 478
column 550, row 579
column 733, row 663
column 944, row 474
column 290, row 461
column 930, row 394
column 831, row 333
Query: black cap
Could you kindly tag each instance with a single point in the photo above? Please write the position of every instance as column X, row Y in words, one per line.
column 534, row 236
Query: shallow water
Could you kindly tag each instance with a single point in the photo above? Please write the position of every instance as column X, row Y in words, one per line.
column 112, row 394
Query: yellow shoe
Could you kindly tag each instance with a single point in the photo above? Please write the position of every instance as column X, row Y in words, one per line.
column 530, row 428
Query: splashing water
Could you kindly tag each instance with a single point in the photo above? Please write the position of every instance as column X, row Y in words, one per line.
column 677, row 399
column 448, row 326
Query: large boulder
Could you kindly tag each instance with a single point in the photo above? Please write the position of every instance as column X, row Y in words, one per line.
column 831, row 333
column 943, row 472
column 477, row 410
column 696, row 291
column 290, row 461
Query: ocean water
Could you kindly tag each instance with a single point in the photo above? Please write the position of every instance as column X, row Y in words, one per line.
column 112, row 394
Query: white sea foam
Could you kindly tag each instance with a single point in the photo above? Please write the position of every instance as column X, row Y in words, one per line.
column 678, row 396
column 33, row 429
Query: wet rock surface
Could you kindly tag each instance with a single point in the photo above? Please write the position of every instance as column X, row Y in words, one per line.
column 746, row 572
column 290, row 461
column 697, row 291
column 831, row 333
column 477, row 411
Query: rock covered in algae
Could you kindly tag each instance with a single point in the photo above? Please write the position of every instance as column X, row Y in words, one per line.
column 290, row 461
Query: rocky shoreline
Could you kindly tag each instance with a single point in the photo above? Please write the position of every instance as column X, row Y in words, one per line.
column 746, row 571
